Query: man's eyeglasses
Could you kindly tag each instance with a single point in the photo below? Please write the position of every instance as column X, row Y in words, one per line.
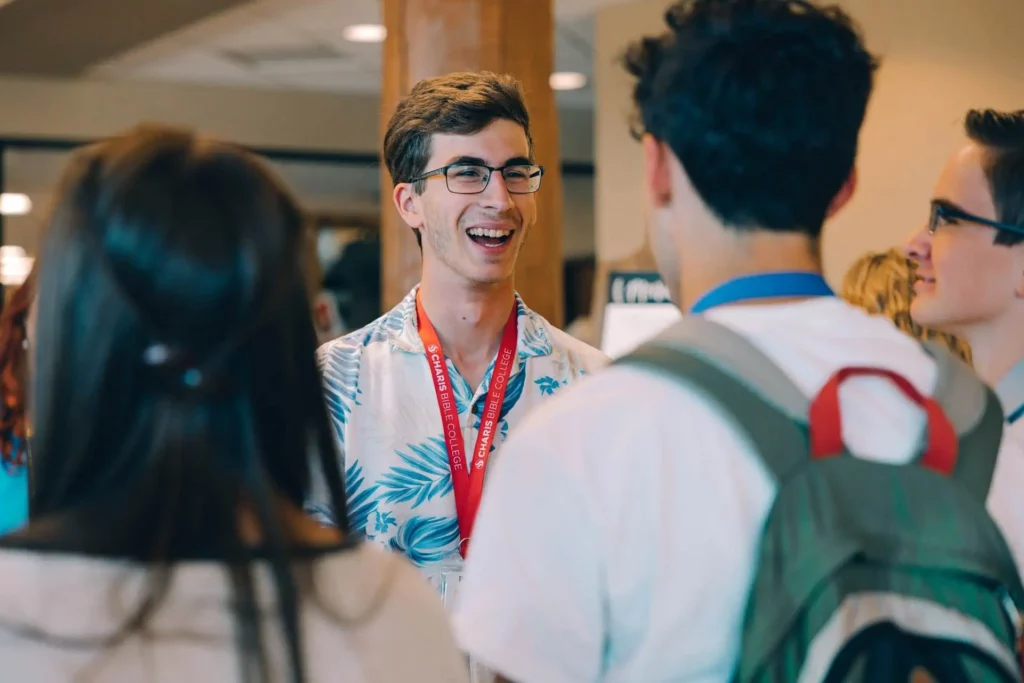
column 473, row 178
column 946, row 213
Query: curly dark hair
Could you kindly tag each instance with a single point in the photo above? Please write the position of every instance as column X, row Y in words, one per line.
column 761, row 101
column 13, row 375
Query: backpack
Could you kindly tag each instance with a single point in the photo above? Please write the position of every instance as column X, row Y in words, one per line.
column 866, row 571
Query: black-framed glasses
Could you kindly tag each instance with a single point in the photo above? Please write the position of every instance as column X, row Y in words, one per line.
column 473, row 178
column 945, row 213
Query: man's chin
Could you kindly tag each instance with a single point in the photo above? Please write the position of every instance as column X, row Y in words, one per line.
column 491, row 275
column 493, row 270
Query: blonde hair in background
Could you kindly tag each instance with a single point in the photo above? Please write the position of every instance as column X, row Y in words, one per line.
column 882, row 283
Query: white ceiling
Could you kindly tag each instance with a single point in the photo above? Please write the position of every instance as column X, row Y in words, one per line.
column 297, row 44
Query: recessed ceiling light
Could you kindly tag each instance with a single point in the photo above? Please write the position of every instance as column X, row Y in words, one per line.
column 14, row 204
column 567, row 80
column 364, row 33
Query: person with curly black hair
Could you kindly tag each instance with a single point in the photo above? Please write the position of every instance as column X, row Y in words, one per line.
column 647, row 489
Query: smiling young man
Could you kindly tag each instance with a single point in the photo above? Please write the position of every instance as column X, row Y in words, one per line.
column 970, row 254
column 424, row 394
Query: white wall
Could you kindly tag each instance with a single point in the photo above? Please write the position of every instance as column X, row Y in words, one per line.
column 89, row 109
column 578, row 216
column 940, row 58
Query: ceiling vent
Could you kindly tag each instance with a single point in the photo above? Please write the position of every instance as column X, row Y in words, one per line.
column 310, row 59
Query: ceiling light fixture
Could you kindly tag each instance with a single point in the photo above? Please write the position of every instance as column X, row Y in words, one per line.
column 364, row 33
column 567, row 80
column 14, row 204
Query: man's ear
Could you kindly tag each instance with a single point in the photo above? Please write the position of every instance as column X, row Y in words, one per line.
column 844, row 195
column 657, row 174
column 408, row 205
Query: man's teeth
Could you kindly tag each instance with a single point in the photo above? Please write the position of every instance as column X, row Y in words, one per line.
column 482, row 232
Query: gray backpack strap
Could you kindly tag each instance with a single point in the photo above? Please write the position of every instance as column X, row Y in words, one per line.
column 734, row 353
column 977, row 416
column 744, row 383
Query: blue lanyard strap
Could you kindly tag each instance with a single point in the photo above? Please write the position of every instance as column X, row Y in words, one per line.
column 784, row 285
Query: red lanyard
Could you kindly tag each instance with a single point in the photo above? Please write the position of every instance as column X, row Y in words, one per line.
column 468, row 485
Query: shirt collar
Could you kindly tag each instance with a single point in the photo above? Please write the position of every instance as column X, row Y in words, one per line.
column 532, row 338
column 1010, row 390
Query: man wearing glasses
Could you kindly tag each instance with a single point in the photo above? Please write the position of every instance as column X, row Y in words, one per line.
column 421, row 398
column 970, row 255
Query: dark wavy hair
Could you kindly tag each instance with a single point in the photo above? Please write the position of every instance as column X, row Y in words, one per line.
column 461, row 103
column 174, row 382
column 14, row 427
column 761, row 101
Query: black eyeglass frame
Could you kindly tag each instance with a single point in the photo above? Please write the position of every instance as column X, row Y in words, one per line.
column 941, row 209
column 443, row 171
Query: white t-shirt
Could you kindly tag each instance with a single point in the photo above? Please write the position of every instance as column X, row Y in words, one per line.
column 616, row 539
column 373, row 620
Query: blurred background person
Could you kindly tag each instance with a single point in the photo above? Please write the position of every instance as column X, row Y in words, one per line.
column 14, row 424
column 179, row 415
column 970, row 253
column 882, row 283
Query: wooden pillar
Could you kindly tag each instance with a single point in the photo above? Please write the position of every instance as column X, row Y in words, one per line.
column 433, row 37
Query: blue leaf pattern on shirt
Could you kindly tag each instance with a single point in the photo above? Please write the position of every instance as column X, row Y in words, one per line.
column 398, row 484
column 548, row 385
column 533, row 340
column 383, row 522
column 383, row 328
column 362, row 502
column 427, row 539
column 388, row 325
column 513, row 392
column 425, row 474
column 340, row 368
column 463, row 392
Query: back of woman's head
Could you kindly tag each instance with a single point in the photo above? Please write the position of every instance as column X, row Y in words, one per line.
column 883, row 283
column 175, row 381
column 174, row 344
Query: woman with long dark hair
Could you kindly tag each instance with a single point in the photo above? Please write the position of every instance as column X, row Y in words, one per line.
column 14, row 427
column 178, row 417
